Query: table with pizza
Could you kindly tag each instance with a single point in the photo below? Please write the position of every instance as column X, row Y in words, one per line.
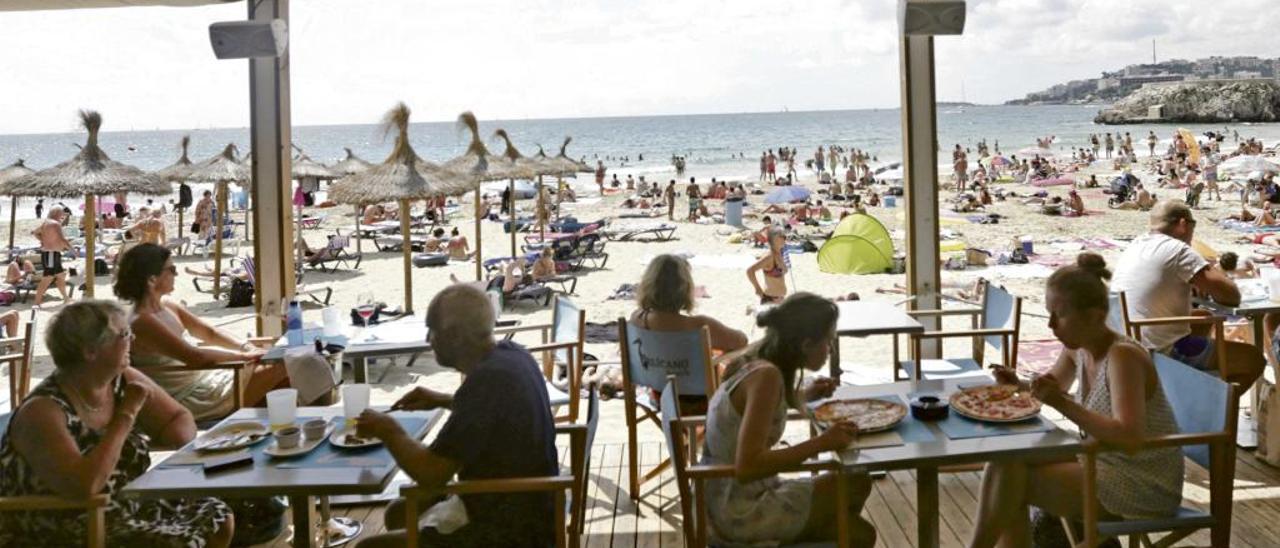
column 868, row 318
column 986, row 422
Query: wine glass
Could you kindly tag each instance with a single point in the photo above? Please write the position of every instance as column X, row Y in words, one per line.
column 365, row 307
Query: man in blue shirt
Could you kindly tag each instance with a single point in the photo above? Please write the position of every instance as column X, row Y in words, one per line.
column 500, row 426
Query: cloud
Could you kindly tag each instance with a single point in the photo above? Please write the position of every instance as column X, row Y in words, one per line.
column 152, row 67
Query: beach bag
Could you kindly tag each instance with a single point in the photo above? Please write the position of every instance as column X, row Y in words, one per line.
column 977, row 257
column 184, row 196
column 258, row 520
column 1267, row 421
column 240, row 294
column 100, row 267
column 7, row 298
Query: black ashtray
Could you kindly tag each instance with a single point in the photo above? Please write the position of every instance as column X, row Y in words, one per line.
column 929, row 408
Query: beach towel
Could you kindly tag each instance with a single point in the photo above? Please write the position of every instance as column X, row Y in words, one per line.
column 1052, row 260
column 1246, row 227
column 1053, row 181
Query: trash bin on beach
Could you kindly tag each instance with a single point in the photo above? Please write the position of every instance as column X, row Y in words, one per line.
column 733, row 212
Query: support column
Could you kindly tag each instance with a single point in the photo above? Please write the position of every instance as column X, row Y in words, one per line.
column 90, row 229
column 920, row 170
column 270, row 141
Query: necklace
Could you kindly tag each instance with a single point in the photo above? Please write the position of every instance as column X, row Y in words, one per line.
column 80, row 398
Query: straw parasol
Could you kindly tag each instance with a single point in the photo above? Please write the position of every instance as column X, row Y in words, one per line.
column 178, row 172
column 473, row 166
column 14, row 171
column 90, row 173
column 351, row 164
column 402, row 177
column 220, row 169
column 561, row 166
column 515, row 166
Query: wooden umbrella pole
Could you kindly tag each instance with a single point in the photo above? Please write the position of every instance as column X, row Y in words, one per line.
column 297, row 241
column 91, row 210
column 511, row 185
column 479, row 243
column 217, row 246
column 542, row 207
column 247, row 232
column 180, row 210
column 13, row 221
column 407, row 247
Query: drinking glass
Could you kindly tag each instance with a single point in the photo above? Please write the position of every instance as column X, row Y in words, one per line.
column 282, row 407
column 355, row 399
column 365, row 307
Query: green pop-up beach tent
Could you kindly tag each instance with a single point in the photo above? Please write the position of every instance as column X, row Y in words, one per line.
column 859, row 245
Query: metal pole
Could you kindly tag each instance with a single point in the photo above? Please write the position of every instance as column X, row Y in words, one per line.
column 270, row 134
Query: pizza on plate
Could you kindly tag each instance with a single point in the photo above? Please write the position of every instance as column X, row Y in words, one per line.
column 870, row 415
column 996, row 403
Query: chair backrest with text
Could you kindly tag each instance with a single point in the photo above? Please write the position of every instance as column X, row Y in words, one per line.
column 650, row 356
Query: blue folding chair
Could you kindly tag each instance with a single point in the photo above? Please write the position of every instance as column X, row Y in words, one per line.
column 562, row 343
column 648, row 357
column 1205, row 408
column 995, row 323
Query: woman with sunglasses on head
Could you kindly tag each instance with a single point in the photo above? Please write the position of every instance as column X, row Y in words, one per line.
column 146, row 275
column 86, row 430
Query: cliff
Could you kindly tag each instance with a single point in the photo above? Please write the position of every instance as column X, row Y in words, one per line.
column 1198, row 102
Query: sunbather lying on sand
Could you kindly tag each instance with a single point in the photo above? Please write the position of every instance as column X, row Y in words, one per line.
column 513, row 274
column 1230, row 263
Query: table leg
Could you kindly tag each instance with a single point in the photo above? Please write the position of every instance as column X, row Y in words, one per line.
column 304, row 523
column 833, row 365
column 927, row 503
column 360, row 369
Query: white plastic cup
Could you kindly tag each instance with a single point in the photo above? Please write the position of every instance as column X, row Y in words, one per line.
column 282, row 407
column 332, row 321
column 355, row 399
column 1273, row 285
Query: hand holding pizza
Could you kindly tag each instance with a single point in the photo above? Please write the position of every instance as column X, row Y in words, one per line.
column 838, row 436
column 1048, row 390
column 1004, row 375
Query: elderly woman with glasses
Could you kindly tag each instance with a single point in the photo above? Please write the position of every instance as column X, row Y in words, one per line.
column 86, row 430
column 146, row 275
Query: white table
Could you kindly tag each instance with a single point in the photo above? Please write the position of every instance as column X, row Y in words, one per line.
column 867, row 318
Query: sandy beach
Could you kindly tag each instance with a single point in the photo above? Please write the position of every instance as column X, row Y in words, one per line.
column 719, row 265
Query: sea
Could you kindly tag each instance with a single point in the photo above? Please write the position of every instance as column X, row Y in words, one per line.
column 724, row 146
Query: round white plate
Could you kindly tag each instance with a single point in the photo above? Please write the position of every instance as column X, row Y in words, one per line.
column 232, row 436
column 339, row 438
column 304, row 446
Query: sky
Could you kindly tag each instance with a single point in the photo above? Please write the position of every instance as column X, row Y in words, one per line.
column 149, row 68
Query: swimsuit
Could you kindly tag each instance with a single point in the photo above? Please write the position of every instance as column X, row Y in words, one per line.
column 51, row 262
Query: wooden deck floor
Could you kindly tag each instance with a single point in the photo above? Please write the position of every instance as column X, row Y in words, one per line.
column 613, row 520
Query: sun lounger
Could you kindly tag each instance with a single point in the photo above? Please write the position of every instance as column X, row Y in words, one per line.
column 659, row 232
column 335, row 254
column 310, row 222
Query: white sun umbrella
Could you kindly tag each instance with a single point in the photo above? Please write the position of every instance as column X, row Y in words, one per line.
column 13, row 172
column 403, row 177
column 90, row 173
column 221, row 169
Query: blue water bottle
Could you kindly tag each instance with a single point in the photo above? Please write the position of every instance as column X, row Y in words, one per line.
column 293, row 323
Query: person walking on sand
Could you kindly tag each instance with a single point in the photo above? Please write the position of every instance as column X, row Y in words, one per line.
column 600, row 175
column 52, row 243
column 773, row 167
column 1111, row 144
column 764, row 165
column 1151, row 143
column 670, row 196
column 39, row 208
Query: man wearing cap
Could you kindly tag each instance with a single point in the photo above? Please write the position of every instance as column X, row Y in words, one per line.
column 1157, row 273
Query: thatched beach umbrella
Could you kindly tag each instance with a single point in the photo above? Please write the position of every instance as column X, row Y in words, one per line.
column 561, row 166
column 308, row 173
column 14, row 171
column 515, row 166
column 351, row 164
column 473, row 166
column 178, row 172
column 221, row 169
column 402, row 177
column 90, row 173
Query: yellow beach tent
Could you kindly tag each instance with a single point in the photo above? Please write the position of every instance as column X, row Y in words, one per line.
column 859, row 245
